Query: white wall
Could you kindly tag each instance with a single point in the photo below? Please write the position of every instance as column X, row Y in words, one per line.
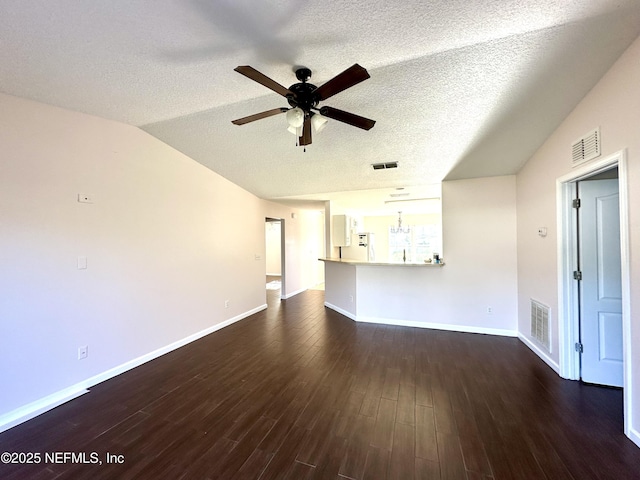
column 614, row 106
column 340, row 290
column 273, row 253
column 479, row 244
column 167, row 241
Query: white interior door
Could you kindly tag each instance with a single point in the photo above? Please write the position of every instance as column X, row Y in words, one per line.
column 600, row 287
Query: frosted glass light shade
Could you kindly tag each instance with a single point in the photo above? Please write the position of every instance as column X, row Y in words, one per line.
column 295, row 117
column 296, row 131
column 318, row 122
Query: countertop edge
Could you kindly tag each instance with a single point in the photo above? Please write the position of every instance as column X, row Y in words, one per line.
column 347, row 261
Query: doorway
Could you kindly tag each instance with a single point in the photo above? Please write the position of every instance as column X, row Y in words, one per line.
column 274, row 257
column 571, row 290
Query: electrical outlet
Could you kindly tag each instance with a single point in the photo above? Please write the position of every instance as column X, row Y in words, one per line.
column 83, row 352
column 489, row 310
column 226, row 304
column 351, row 298
column 85, row 198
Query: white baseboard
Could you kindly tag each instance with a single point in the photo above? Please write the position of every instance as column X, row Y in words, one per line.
column 340, row 310
column 634, row 435
column 439, row 326
column 434, row 326
column 541, row 353
column 33, row 409
column 289, row 295
column 274, row 274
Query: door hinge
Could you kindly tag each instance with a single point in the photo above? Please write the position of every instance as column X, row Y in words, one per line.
column 577, row 275
column 576, row 203
column 579, row 348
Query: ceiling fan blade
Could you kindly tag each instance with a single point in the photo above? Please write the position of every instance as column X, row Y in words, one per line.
column 258, row 116
column 262, row 79
column 305, row 139
column 350, row 77
column 346, row 117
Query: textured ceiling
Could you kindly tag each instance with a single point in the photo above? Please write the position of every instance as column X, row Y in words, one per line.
column 458, row 88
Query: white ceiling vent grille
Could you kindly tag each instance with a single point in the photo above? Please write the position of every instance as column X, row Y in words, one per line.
column 586, row 148
column 540, row 324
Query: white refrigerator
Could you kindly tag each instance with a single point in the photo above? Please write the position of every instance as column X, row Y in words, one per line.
column 366, row 248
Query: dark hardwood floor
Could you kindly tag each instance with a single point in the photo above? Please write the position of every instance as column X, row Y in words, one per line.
column 299, row 391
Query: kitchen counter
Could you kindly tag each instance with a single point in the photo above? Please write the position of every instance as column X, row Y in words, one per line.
column 423, row 295
column 348, row 261
column 379, row 291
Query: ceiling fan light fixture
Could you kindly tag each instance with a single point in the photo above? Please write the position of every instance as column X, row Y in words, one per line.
column 297, row 131
column 318, row 122
column 295, row 117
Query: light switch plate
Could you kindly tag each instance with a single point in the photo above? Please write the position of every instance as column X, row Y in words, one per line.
column 83, row 352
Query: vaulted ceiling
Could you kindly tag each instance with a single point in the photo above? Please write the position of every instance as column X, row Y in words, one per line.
column 458, row 88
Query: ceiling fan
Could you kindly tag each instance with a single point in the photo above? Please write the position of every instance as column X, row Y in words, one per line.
column 304, row 97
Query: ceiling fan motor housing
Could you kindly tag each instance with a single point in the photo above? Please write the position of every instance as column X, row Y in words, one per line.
column 303, row 96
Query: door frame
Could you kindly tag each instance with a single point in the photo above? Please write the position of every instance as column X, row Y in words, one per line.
column 568, row 319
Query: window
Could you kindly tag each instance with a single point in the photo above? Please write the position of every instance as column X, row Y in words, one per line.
column 417, row 245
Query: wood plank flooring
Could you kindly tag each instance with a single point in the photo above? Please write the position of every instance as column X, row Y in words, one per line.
column 301, row 392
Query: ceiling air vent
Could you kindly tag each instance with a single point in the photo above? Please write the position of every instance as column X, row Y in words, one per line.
column 382, row 166
column 586, row 148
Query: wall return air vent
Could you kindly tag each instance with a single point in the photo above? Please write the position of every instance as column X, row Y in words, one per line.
column 540, row 324
column 586, row 148
column 382, row 166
